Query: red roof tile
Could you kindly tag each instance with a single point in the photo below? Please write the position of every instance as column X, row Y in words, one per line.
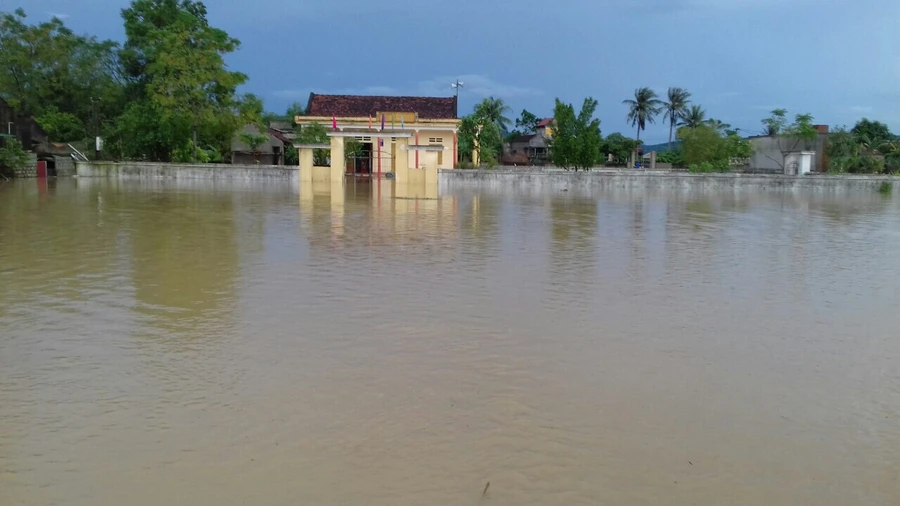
column 544, row 122
column 345, row 106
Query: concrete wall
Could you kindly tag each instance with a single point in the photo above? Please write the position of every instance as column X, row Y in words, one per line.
column 29, row 169
column 559, row 181
column 65, row 166
column 184, row 171
column 767, row 154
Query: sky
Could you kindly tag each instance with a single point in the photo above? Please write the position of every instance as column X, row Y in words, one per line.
column 834, row 59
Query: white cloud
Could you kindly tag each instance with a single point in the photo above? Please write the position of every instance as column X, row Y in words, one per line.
column 59, row 15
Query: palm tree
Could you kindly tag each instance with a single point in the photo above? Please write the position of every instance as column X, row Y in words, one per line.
column 492, row 110
column 643, row 109
column 717, row 125
column 693, row 117
column 676, row 108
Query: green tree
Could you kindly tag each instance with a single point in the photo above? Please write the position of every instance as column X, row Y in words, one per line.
column 693, row 117
column 873, row 134
column 796, row 136
column 527, row 122
column 643, row 109
column 676, row 108
column 174, row 62
column 718, row 125
column 493, row 110
column 61, row 126
column 619, row 146
column 46, row 67
column 12, row 156
column 253, row 141
column 315, row 134
column 576, row 139
column 705, row 149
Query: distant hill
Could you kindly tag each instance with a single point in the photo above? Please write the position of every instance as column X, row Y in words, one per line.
column 660, row 148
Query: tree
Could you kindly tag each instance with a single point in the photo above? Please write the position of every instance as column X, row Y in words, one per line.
column 46, row 67
column 693, row 117
column 576, row 139
column 619, row 146
column 643, row 109
column 253, row 141
column 527, row 122
column 705, row 149
column 718, row 125
column 12, row 156
column 492, row 110
column 872, row 134
column 174, row 61
column 315, row 134
column 676, row 108
column 61, row 126
column 799, row 135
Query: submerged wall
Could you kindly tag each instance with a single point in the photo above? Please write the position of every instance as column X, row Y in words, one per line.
column 561, row 180
column 184, row 171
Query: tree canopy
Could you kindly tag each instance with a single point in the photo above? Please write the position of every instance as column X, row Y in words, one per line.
column 577, row 138
column 165, row 87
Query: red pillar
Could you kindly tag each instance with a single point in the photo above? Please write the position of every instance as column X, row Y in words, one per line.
column 379, row 157
column 455, row 153
column 417, row 149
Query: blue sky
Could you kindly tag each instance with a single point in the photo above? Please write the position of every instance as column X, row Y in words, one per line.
column 835, row 59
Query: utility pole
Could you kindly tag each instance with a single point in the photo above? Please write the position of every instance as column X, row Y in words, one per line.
column 456, row 86
column 96, row 129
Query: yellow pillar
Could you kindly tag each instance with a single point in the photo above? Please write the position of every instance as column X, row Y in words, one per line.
column 306, row 164
column 401, row 163
column 337, row 160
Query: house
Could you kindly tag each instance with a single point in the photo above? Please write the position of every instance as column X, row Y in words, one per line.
column 535, row 147
column 269, row 151
column 394, row 131
column 769, row 152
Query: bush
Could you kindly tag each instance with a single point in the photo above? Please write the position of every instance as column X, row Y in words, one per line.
column 708, row 167
column 885, row 188
column 12, row 156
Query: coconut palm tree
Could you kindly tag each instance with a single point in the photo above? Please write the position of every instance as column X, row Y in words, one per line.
column 676, row 107
column 493, row 110
column 693, row 117
column 718, row 126
column 643, row 108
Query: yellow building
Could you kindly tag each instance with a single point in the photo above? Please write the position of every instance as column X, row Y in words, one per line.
column 409, row 137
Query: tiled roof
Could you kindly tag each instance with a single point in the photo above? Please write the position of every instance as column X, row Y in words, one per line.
column 345, row 106
column 544, row 122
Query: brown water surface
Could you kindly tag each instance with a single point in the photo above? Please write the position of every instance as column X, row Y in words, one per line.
column 185, row 343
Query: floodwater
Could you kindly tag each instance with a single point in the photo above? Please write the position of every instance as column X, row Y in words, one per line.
column 185, row 343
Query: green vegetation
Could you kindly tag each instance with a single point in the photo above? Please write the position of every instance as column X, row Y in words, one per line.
column 483, row 129
column 164, row 93
column 676, row 109
column 885, row 188
column 576, row 139
column 12, row 156
column 526, row 123
column 706, row 149
column 643, row 109
column 315, row 134
column 693, row 117
column 868, row 148
column 617, row 147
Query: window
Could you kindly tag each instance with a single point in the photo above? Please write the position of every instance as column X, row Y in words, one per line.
column 435, row 140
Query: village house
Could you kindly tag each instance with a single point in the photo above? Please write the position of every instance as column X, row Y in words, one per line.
column 268, row 152
column 530, row 149
column 394, row 132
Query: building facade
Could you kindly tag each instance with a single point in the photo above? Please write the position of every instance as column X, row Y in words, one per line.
column 405, row 133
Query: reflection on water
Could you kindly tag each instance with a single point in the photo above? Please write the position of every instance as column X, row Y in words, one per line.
column 220, row 343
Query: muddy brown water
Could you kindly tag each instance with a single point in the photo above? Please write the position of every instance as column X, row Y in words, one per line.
column 202, row 342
